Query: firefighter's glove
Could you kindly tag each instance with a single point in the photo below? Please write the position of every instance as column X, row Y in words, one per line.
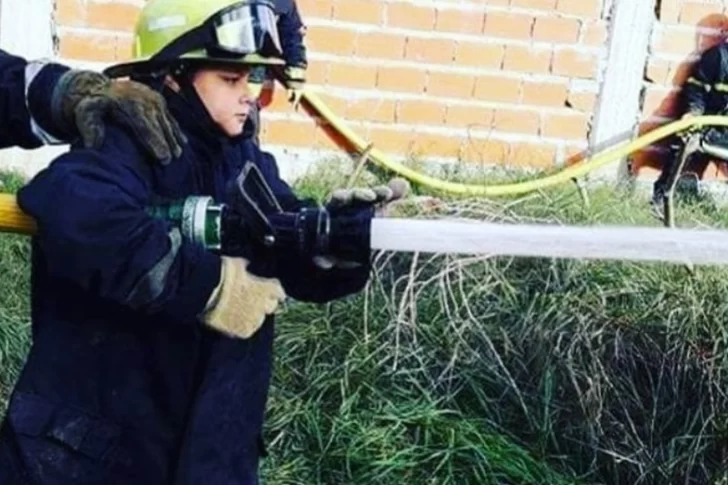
column 242, row 301
column 86, row 100
column 692, row 113
column 295, row 80
column 380, row 196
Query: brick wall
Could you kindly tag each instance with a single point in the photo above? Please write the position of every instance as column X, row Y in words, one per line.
column 683, row 29
column 494, row 81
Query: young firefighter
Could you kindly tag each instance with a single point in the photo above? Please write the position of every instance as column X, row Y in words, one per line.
column 291, row 30
column 49, row 103
column 151, row 357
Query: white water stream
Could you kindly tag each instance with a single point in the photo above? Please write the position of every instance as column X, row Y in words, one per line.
column 685, row 246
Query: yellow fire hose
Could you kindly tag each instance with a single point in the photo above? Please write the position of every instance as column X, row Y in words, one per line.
column 12, row 219
column 577, row 170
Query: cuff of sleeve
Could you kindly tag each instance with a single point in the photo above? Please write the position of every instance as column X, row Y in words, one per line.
column 295, row 74
column 40, row 81
column 192, row 299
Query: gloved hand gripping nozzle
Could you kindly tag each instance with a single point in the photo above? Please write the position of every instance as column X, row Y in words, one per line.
column 253, row 216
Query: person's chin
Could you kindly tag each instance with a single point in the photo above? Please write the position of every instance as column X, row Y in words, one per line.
column 233, row 131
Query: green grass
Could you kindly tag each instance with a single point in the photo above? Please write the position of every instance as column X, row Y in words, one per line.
column 14, row 304
column 474, row 370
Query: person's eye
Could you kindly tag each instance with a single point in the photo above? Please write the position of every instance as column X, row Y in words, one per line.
column 231, row 80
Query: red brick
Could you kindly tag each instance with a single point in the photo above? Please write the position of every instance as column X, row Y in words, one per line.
column 595, row 32
column 359, row 11
column 669, row 11
column 323, row 9
column 123, row 48
column 337, row 104
column 532, row 155
column 474, row 117
column 438, row 51
column 380, row 45
column 574, row 64
column 479, row 55
column 71, row 13
column 288, row 132
column 331, row 40
column 580, row 8
column 494, row 88
column 508, row 25
column 401, row 79
column 276, row 101
column 450, row 85
column 390, row 141
column 582, row 101
column 317, row 72
column 546, row 5
column 95, row 47
column 575, row 126
column 484, row 151
column 408, row 16
column 352, row 75
column 656, row 71
column 112, row 16
column 428, row 145
column 420, row 112
column 380, row 110
column 556, row 29
column 527, row 60
column 516, row 121
column 460, row 21
column 544, row 94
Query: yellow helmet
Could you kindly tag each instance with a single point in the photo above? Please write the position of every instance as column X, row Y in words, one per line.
column 216, row 31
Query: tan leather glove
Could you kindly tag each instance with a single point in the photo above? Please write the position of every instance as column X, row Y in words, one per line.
column 295, row 78
column 380, row 195
column 241, row 302
column 87, row 99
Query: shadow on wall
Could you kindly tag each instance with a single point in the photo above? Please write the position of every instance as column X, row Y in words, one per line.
column 710, row 31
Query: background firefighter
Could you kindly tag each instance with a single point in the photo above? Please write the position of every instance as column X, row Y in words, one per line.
column 292, row 31
column 704, row 93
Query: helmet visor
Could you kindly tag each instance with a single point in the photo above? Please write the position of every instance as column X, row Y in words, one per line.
column 246, row 28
